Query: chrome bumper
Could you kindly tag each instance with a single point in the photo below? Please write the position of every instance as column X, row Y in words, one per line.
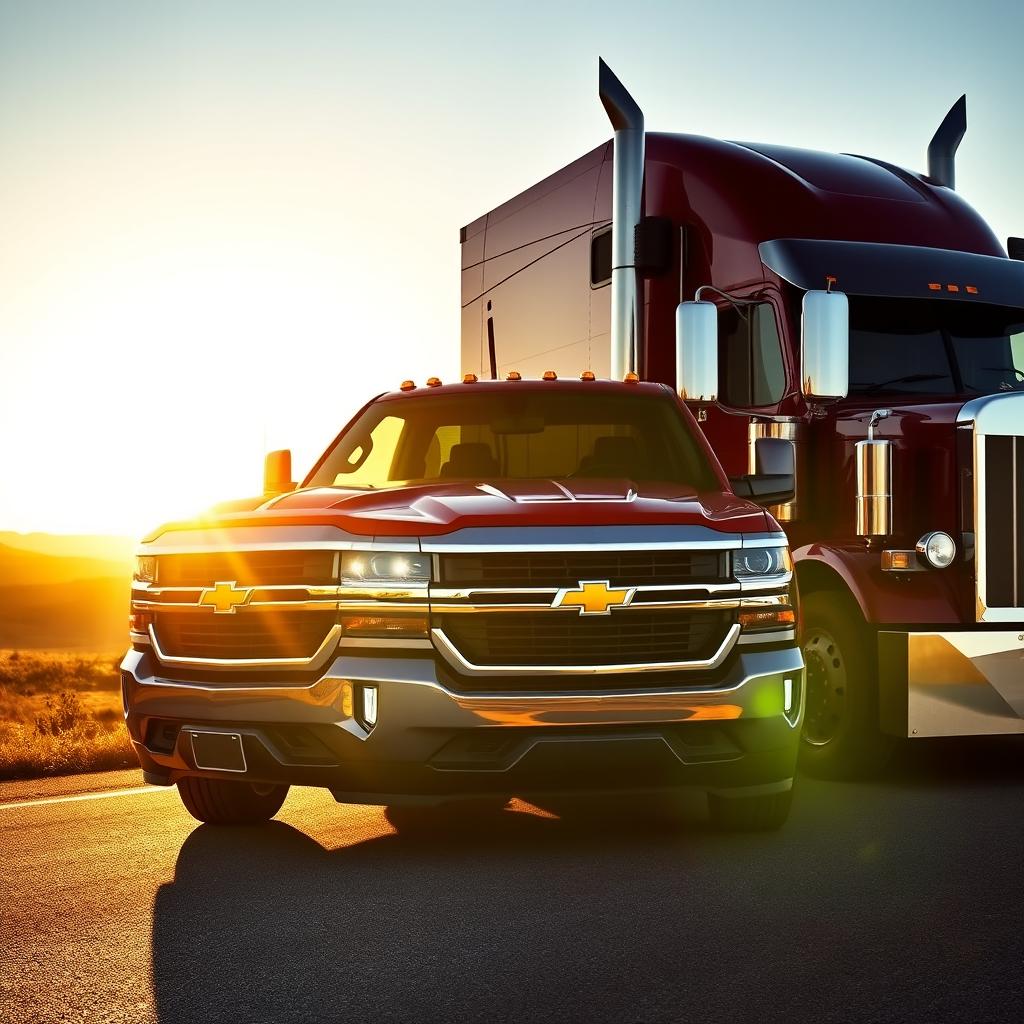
column 956, row 683
column 416, row 707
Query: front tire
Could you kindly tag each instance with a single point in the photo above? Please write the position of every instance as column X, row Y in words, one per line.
column 840, row 738
column 230, row 802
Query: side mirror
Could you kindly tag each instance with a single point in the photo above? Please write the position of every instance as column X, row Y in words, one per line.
column 774, row 479
column 277, row 472
column 825, row 346
column 1015, row 248
column 697, row 351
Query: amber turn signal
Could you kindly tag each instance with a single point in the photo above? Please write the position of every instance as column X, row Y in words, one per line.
column 767, row 618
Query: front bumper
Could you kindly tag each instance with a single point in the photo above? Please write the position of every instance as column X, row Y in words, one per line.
column 953, row 683
column 431, row 741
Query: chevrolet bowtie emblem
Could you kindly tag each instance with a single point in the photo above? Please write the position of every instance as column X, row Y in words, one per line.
column 224, row 598
column 594, row 597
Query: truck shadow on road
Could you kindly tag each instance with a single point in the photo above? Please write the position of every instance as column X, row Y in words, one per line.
column 619, row 916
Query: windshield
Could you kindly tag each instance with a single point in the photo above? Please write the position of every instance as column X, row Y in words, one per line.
column 935, row 347
column 524, row 435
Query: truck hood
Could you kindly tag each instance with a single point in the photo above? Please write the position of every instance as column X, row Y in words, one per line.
column 443, row 508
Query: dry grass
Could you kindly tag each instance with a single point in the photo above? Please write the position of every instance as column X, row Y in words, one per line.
column 60, row 714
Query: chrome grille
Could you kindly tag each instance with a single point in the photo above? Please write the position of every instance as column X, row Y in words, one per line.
column 1004, row 521
column 248, row 635
column 565, row 638
column 567, row 568
column 248, row 568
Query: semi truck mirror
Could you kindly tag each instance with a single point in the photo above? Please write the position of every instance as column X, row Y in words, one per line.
column 774, row 481
column 825, row 346
column 277, row 472
column 697, row 351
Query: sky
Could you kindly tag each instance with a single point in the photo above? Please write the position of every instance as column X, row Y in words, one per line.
column 225, row 226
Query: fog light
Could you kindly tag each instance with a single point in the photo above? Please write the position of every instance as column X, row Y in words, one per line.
column 369, row 706
column 938, row 549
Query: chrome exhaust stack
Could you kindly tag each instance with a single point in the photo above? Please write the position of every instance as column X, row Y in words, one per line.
column 627, row 322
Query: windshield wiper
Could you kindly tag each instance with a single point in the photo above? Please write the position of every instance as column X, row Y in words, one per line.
column 908, row 378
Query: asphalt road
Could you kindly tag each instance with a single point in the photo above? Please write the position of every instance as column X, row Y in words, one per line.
column 896, row 900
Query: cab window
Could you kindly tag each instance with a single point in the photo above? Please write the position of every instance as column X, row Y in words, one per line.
column 750, row 356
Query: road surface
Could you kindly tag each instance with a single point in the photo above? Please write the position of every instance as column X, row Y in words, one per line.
column 896, row 900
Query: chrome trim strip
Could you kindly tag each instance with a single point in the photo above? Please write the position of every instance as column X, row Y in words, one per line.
column 196, row 608
column 385, row 642
column 452, row 655
column 320, row 655
column 778, row 636
column 723, row 604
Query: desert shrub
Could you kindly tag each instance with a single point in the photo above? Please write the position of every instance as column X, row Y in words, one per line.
column 62, row 713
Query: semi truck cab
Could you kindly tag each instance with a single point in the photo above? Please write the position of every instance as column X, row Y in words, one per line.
column 861, row 311
column 482, row 589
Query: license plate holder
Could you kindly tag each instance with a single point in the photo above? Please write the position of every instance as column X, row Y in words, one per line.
column 218, row 751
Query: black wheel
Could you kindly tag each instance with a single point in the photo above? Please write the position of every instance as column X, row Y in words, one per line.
column 452, row 814
column 841, row 738
column 230, row 802
column 750, row 813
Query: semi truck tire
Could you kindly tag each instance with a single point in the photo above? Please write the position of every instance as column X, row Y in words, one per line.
column 750, row 813
column 841, row 738
column 227, row 802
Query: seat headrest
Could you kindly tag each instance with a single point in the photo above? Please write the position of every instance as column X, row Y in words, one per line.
column 473, row 458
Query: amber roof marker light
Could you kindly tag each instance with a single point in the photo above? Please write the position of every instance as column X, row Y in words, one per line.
column 631, row 378
column 408, row 385
column 433, row 382
column 513, row 375
column 549, row 375
column 469, row 378
column 588, row 375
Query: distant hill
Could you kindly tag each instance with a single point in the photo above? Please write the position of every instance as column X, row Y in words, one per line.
column 86, row 615
column 107, row 549
column 64, row 593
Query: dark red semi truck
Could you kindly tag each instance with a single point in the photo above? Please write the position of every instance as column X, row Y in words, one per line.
column 864, row 312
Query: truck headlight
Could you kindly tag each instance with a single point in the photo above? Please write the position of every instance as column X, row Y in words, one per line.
column 145, row 569
column 750, row 562
column 938, row 549
column 385, row 568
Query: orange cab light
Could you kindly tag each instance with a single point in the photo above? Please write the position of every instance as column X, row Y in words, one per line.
column 469, row 378
column 631, row 378
column 408, row 385
column 550, row 375
column 588, row 375
column 935, row 286
column 513, row 375
column 433, row 382
column 971, row 290
column 952, row 287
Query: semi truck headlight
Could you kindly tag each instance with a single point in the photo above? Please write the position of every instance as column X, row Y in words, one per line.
column 397, row 568
column 938, row 549
column 748, row 562
column 145, row 569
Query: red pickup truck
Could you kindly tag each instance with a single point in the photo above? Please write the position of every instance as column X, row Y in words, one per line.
column 482, row 589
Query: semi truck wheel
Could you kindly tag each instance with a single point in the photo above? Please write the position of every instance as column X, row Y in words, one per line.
column 750, row 813
column 841, row 738
column 227, row 802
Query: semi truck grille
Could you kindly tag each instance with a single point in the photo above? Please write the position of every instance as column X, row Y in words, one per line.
column 247, row 635
column 557, row 639
column 567, row 568
column 248, row 568
column 1004, row 521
